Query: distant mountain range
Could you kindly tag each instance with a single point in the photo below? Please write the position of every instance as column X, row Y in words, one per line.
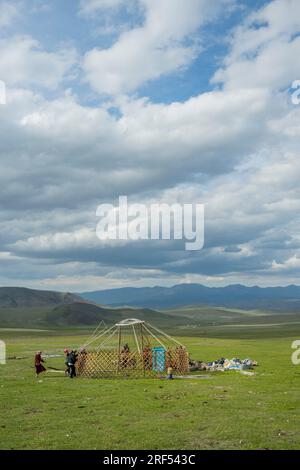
column 180, row 305
column 233, row 296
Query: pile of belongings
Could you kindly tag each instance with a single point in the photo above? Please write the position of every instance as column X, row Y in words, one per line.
column 223, row 364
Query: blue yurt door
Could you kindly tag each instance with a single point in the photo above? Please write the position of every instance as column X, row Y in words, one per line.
column 158, row 359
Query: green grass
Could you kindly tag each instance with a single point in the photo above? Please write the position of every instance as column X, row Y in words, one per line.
column 225, row 411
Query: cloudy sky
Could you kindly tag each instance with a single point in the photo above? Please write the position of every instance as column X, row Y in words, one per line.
column 160, row 100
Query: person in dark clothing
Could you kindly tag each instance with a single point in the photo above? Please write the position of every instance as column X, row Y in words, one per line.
column 67, row 371
column 38, row 360
column 72, row 358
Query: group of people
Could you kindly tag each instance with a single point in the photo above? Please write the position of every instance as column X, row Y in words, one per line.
column 70, row 362
column 71, row 359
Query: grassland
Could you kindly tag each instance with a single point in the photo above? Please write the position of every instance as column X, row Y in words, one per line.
column 225, row 410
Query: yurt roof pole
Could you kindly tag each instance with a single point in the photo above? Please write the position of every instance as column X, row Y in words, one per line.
column 142, row 341
column 101, row 325
column 167, row 336
column 119, row 347
column 142, row 337
column 103, row 332
column 106, row 339
column 136, row 340
column 155, row 337
column 95, row 332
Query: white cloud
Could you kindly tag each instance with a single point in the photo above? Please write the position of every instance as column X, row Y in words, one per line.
column 292, row 263
column 154, row 49
column 9, row 11
column 236, row 149
column 150, row 147
column 265, row 49
column 25, row 63
column 7, row 256
column 58, row 241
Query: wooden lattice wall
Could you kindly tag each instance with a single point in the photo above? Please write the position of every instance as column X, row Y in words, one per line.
column 111, row 363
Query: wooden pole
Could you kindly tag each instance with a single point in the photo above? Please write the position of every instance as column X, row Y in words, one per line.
column 119, row 347
column 142, row 341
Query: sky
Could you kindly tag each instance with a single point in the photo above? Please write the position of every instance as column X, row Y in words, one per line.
column 169, row 101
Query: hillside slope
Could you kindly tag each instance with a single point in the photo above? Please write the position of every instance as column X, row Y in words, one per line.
column 24, row 308
column 20, row 297
column 80, row 313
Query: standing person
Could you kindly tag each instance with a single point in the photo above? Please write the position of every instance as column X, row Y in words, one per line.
column 38, row 362
column 72, row 358
column 170, row 373
column 67, row 370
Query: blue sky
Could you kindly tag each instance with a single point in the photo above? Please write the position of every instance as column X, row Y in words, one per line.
column 56, row 24
column 163, row 101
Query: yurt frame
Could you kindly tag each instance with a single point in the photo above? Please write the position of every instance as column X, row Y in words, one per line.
column 154, row 352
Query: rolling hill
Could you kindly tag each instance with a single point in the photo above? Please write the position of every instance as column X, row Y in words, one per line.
column 14, row 297
column 24, row 308
column 27, row 308
column 80, row 313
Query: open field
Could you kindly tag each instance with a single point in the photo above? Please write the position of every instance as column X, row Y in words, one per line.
column 223, row 411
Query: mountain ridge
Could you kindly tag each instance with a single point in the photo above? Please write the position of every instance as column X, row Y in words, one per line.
column 234, row 295
column 14, row 297
column 23, row 307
